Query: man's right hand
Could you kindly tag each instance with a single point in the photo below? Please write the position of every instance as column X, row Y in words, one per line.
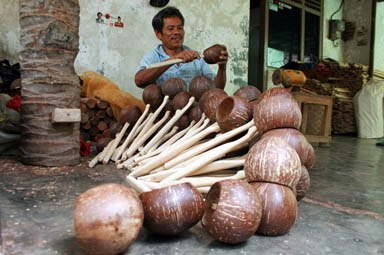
column 187, row 55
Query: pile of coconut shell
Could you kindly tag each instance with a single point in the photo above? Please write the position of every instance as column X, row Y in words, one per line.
column 244, row 153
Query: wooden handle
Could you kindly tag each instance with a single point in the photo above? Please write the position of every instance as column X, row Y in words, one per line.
column 166, row 63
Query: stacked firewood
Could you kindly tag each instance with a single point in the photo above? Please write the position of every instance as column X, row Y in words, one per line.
column 344, row 81
column 97, row 122
column 347, row 80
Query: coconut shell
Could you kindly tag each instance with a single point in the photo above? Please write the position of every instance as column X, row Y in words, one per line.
column 173, row 86
column 249, row 92
column 153, row 96
column 180, row 100
column 198, row 85
column 130, row 114
column 213, row 53
column 195, row 113
column 108, row 218
column 276, row 108
column 183, row 122
column 173, row 209
column 272, row 160
column 233, row 112
column 297, row 141
column 279, row 208
column 210, row 100
column 232, row 212
column 303, row 185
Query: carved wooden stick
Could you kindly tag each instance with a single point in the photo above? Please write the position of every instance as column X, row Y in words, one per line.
column 208, row 145
column 168, row 126
column 137, row 185
column 211, row 167
column 144, row 137
column 155, row 114
column 135, row 134
column 132, row 133
column 175, row 138
column 161, row 141
column 210, row 156
column 115, row 143
column 174, row 151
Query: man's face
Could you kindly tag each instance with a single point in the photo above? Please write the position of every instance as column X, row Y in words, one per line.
column 172, row 35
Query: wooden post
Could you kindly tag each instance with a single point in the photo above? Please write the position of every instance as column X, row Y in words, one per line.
column 49, row 36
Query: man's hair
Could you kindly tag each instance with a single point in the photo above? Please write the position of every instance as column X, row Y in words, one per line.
column 158, row 19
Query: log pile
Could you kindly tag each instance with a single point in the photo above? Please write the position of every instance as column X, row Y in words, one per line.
column 97, row 122
column 344, row 81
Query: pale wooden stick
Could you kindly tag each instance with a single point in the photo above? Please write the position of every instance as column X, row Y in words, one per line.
column 198, row 124
column 210, row 156
column 168, row 126
column 115, row 143
column 154, row 115
column 215, row 166
column 174, row 151
column 137, row 185
column 199, row 181
column 141, row 139
column 204, row 190
column 174, row 138
column 161, row 140
column 208, row 145
column 101, row 155
column 138, row 130
column 131, row 134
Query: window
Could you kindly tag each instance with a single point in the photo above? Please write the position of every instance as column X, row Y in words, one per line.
column 294, row 31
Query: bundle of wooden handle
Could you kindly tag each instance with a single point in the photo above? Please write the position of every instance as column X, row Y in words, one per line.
column 158, row 155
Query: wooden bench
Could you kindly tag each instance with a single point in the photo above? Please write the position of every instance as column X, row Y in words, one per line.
column 305, row 100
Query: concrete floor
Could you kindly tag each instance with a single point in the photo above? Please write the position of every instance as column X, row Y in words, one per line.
column 342, row 214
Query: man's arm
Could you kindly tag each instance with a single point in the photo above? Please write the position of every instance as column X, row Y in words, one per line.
column 221, row 76
column 145, row 77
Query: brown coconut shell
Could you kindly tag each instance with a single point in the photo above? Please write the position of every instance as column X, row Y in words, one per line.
column 303, row 185
column 272, row 160
column 130, row 114
column 153, row 96
column 108, row 218
column 183, row 122
column 233, row 112
column 173, row 86
column 276, row 108
column 195, row 113
column 198, row 85
column 212, row 54
column 297, row 141
column 249, row 92
column 173, row 209
column 180, row 100
column 232, row 212
column 210, row 101
column 279, row 208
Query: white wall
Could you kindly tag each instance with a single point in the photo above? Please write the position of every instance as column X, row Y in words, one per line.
column 9, row 30
column 116, row 52
column 357, row 50
column 332, row 49
column 379, row 37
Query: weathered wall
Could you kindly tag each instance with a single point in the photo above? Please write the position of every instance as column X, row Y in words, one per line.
column 332, row 49
column 9, row 30
column 357, row 50
column 379, row 37
column 116, row 52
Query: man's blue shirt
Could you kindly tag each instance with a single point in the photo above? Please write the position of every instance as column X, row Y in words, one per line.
column 186, row 71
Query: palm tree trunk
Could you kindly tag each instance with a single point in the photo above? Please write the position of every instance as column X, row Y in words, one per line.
column 49, row 45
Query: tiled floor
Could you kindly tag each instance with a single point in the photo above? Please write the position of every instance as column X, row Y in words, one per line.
column 343, row 212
